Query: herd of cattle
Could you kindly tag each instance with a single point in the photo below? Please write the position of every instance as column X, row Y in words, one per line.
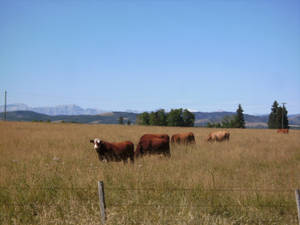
column 148, row 144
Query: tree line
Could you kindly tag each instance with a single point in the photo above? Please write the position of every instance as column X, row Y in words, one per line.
column 235, row 121
column 184, row 118
column 277, row 119
column 176, row 117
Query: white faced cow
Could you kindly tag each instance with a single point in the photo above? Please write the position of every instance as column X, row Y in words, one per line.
column 119, row 151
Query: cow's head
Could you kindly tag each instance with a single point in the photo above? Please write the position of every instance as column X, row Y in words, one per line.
column 96, row 142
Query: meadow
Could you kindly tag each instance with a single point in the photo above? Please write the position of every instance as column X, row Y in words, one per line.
column 49, row 174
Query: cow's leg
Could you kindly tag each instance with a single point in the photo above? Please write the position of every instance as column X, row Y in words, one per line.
column 132, row 158
column 167, row 153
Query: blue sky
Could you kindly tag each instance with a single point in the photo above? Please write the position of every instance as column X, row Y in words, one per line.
column 144, row 55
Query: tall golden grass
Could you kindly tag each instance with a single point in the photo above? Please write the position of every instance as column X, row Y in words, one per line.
column 49, row 174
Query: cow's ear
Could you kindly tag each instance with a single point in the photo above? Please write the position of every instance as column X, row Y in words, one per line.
column 91, row 141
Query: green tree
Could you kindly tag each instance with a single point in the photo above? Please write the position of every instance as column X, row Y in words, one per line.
column 158, row 118
column 188, row 118
column 121, row 120
column 153, row 120
column 282, row 118
column 285, row 118
column 273, row 117
column 143, row 119
column 161, row 117
column 239, row 121
column 174, row 118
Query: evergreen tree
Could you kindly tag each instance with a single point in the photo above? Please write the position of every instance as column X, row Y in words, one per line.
column 239, row 118
column 273, row 117
column 285, row 118
column 161, row 117
column 188, row 118
column 153, row 119
column 282, row 119
column 174, row 118
column 143, row 119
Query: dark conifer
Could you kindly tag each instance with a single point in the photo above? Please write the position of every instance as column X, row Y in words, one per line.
column 273, row 117
column 240, row 120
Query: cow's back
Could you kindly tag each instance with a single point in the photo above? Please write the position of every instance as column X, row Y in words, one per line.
column 218, row 136
column 149, row 136
column 183, row 138
column 153, row 144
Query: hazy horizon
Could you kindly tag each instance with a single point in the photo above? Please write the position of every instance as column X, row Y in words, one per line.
column 126, row 110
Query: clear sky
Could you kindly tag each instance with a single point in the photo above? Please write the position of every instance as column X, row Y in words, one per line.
column 143, row 55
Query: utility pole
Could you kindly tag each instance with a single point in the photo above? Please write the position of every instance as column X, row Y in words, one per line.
column 5, row 97
column 282, row 114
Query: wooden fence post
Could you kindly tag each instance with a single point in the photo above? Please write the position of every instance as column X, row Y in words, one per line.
column 297, row 192
column 102, row 201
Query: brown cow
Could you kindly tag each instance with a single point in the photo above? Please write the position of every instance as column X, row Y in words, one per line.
column 114, row 151
column 164, row 136
column 284, row 131
column 219, row 136
column 153, row 144
column 183, row 138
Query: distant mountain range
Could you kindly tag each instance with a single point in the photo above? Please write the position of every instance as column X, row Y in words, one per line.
column 104, row 118
column 53, row 111
column 73, row 113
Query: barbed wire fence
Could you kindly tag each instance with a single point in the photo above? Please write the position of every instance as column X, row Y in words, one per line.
column 201, row 205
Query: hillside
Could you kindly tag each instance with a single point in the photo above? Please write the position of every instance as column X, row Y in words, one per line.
column 201, row 118
column 105, row 118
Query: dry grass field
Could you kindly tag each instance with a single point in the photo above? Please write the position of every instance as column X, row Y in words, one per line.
column 49, row 174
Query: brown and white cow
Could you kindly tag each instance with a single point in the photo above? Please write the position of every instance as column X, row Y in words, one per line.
column 284, row 131
column 153, row 144
column 120, row 151
column 183, row 138
column 218, row 136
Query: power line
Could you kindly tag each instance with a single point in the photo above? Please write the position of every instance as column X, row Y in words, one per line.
column 5, row 101
column 283, row 103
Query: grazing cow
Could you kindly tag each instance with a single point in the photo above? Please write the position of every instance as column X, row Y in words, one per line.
column 219, row 136
column 114, row 151
column 153, row 144
column 183, row 138
column 146, row 136
column 284, row 131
